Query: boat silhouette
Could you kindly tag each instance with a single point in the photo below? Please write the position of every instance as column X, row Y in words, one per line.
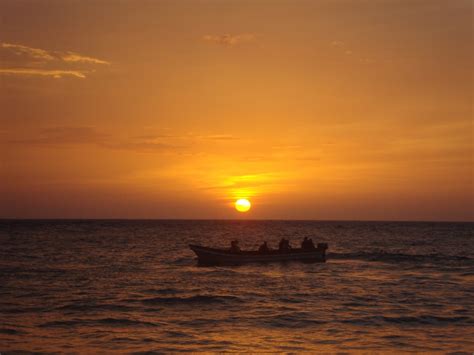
column 215, row 256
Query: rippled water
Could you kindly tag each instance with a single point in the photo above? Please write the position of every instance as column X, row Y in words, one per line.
column 134, row 286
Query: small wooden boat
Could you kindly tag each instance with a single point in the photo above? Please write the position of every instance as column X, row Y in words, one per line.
column 213, row 256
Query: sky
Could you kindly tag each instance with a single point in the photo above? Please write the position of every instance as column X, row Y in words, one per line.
column 330, row 109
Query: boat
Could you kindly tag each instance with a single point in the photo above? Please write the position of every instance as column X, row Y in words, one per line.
column 214, row 256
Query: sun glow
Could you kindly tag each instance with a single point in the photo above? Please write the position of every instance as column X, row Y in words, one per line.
column 242, row 205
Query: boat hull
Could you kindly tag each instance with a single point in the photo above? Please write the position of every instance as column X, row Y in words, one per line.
column 212, row 256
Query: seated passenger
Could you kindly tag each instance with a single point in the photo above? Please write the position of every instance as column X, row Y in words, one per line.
column 310, row 244
column 234, row 246
column 263, row 248
column 281, row 244
column 304, row 243
column 284, row 245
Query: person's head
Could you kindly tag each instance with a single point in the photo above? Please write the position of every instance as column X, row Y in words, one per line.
column 305, row 238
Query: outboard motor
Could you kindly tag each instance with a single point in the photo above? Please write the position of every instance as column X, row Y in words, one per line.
column 323, row 247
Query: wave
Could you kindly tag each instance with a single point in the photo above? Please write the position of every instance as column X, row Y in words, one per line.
column 117, row 322
column 199, row 299
column 428, row 319
column 289, row 321
column 23, row 310
column 10, row 331
column 183, row 261
column 400, row 257
column 409, row 320
column 162, row 291
column 94, row 307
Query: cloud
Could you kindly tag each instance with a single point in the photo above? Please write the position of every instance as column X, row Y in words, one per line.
column 219, row 137
column 77, row 135
column 261, row 179
column 64, row 136
column 337, row 44
column 167, row 142
column 74, row 57
column 343, row 48
column 138, row 146
column 35, row 53
column 189, row 136
column 74, row 135
column 18, row 59
column 229, row 39
column 44, row 72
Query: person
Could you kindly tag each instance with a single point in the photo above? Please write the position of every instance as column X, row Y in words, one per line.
column 281, row 244
column 284, row 245
column 304, row 243
column 307, row 244
column 234, row 246
column 264, row 248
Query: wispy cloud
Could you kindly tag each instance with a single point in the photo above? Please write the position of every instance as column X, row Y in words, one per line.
column 18, row 59
column 141, row 146
column 85, row 135
column 219, row 137
column 63, row 136
column 74, row 57
column 230, row 39
column 44, row 72
column 337, row 43
column 189, row 136
column 342, row 47
column 35, row 53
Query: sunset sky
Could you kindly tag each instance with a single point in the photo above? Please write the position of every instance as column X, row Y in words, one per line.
column 174, row 109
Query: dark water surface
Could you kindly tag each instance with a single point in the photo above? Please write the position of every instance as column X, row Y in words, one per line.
column 133, row 286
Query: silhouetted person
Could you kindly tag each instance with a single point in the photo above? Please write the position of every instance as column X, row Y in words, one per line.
column 307, row 244
column 281, row 244
column 304, row 243
column 284, row 245
column 234, row 246
column 263, row 248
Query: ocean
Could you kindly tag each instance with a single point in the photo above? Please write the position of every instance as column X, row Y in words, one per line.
column 134, row 286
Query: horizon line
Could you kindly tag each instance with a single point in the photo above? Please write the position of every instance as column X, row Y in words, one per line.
column 230, row 219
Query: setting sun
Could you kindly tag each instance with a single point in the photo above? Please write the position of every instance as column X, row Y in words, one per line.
column 242, row 205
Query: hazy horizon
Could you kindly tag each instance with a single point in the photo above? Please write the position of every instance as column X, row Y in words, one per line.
column 233, row 220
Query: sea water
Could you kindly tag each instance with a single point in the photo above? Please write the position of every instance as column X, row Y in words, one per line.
column 134, row 286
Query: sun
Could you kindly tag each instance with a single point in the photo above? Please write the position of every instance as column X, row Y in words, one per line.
column 242, row 205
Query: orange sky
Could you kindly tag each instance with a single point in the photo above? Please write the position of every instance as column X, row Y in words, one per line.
column 173, row 109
